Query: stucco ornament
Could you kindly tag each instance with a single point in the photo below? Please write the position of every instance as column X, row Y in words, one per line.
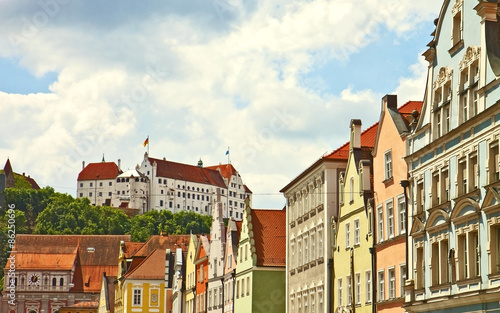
column 445, row 74
column 472, row 54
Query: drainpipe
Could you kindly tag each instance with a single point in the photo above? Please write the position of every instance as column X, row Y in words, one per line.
column 405, row 184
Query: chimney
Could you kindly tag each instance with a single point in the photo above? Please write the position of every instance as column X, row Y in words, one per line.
column 119, row 164
column 355, row 133
column 83, row 165
column 391, row 101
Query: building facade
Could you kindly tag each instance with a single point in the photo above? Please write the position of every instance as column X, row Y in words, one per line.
column 352, row 260
column 454, row 167
column 261, row 264
column 56, row 271
column 216, row 268
column 97, row 182
column 389, row 169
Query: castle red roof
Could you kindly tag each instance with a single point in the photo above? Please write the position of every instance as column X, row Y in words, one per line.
column 269, row 234
column 187, row 172
column 102, row 170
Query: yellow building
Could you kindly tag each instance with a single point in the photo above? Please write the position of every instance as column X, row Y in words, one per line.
column 191, row 274
column 145, row 277
column 353, row 273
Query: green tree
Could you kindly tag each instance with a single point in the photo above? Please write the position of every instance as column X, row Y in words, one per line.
column 66, row 215
column 12, row 223
column 30, row 201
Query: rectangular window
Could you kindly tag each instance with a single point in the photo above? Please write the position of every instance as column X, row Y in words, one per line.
column 368, row 286
column 381, row 286
column 380, row 224
column 493, row 163
column 340, row 292
column 349, row 290
column 401, row 215
column 420, row 268
column 420, row 197
column 495, row 249
column 306, row 250
column 137, row 297
column 392, row 283
column 320, row 243
column 313, row 247
column 356, row 232
column 358, row 288
column 347, row 235
column 402, row 278
column 390, row 219
column 388, row 165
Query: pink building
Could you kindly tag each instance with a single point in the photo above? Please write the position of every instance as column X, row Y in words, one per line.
column 390, row 207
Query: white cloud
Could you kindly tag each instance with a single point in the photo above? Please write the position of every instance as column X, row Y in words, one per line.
column 196, row 79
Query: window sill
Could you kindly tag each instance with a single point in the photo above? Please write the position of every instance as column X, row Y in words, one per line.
column 388, row 181
column 468, row 281
column 459, row 45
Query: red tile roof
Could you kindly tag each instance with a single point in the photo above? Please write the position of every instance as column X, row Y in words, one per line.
column 85, row 304
column 171, row 242
column 188, row 172
column 90, row 264
column 152, row 267
column 226, row 170
column 368, row 137
column 102, row 170
column 269, row 234
column 410, row 106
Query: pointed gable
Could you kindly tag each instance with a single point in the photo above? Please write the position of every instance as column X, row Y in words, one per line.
column 269, row 236
column 152, row 267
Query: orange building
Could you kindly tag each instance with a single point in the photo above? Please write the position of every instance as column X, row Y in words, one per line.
column 201, row 262
column 390, row 207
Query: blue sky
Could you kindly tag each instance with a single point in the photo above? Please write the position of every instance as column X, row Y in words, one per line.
column 277, row 81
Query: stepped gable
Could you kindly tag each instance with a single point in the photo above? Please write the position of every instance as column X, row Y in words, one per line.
column 187, row 172
column 101, row 170
column 92, row 255
column 152, row 267
column 226, row 170
column 269, row 235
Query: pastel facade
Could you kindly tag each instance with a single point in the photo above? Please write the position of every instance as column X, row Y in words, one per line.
column 389, row 169
column 190, row 276
column 261, row 263
column 312, row 202
column 216, row 260
column 201, row 263
column 230, row 257
column 352, row 260
column 454, row 167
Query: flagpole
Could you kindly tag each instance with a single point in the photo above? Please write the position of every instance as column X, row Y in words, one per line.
column 228, row 158
column 148, row 145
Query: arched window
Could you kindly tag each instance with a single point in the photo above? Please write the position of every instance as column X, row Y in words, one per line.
column 61, row 281
column 54, row 281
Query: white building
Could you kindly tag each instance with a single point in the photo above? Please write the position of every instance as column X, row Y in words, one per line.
column 158, row 184
column 96, row 182
column 183, row 187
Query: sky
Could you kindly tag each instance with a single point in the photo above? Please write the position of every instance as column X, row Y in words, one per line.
column 275, row 81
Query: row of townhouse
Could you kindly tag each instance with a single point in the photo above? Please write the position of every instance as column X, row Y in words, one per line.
column 334, row 206
column 236, row 268
column 406, row 215
column 159, row 184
